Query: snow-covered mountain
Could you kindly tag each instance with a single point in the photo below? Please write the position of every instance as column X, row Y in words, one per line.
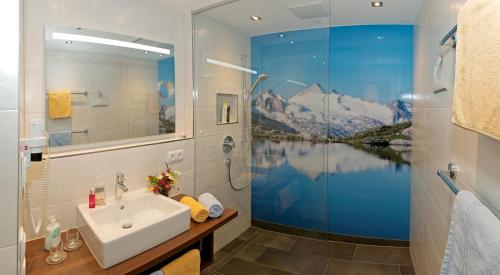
column 167, row 112
column 401, row 110
column 314, row 112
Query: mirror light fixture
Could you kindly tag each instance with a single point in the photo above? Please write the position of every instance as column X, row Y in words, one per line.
column 230, row 66
column 377, row 4
column 107, row 41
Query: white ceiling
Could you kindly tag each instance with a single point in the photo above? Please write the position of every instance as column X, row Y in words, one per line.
column 186, row 6
column 277, row 17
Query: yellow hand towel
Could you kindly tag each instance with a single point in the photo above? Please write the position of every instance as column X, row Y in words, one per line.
column 187, row 264
column 59, row 104
column 476, row 99
column 198, row 212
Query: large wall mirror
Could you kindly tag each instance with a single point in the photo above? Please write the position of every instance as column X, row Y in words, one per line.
column 103, row 87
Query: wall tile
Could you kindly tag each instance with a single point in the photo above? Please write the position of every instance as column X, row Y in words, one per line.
column 8, row 260
column 487, row 184
column 35, row 91
column 40, row 12
column 9, row 177
column 9, row 56
column 33, row 48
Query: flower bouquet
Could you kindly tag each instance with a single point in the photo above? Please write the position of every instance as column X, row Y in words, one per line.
column 164, row 182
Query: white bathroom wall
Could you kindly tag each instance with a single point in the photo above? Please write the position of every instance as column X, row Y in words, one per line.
column 147, row 20
column 218, row 41
column 72, row 176
column 9, row 121
column 437, row 142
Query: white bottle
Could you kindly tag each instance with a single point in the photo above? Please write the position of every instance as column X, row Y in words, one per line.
column 52, row 233
column 224, row 112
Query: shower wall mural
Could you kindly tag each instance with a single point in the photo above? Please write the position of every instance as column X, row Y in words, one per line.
column 166, row 90
column 332, row 130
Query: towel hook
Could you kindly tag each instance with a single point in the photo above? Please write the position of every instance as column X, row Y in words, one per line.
column 453, row 169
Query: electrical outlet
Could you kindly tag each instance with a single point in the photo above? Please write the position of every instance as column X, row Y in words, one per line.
column 172, row 156
column 175, row 156
column 180, row 155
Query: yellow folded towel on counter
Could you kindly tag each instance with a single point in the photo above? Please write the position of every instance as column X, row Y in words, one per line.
column 187, row 264
column 198, row 212
column 59, row 104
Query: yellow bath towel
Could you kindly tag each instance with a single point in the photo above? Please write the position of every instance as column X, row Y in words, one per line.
column 187, row 264
column 476, row 99
column 198, row 212
column 59, row 104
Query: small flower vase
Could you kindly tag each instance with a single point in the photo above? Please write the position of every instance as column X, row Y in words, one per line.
column 163, row 192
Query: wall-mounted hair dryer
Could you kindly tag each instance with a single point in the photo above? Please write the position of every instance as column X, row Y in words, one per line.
column 31, row 149
column 33, row 146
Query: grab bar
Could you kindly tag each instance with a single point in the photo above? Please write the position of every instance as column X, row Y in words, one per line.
column 449, row 177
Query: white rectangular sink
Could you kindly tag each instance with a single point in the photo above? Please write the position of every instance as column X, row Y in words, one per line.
column 124, row 228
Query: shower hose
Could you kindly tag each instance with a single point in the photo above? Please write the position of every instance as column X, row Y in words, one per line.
column 228, row 164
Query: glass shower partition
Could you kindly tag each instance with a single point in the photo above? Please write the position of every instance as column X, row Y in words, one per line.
column 289, row 129
column 220, row 78
column 283, row 154
column 327, row 146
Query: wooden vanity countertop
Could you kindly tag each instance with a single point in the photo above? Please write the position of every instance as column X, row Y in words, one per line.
column 83, row 262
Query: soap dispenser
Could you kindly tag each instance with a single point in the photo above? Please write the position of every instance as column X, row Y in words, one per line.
column 52, row 233
column 92, row 198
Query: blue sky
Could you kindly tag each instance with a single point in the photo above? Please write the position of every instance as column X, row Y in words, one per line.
column 370, row 62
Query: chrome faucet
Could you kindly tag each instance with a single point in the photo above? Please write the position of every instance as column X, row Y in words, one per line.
column 120, row 179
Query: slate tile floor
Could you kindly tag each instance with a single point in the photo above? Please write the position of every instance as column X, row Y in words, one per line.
column 263, row 252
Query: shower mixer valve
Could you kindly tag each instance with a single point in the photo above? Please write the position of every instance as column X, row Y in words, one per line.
column 227, row 146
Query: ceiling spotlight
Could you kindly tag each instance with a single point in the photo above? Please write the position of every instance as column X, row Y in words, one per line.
column 146, row 52
column 68, row 42
column 255, row 18
column 292, row 42
column 282, row 35
column 377, row 4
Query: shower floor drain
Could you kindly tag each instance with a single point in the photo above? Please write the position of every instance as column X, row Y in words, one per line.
column 127, row 225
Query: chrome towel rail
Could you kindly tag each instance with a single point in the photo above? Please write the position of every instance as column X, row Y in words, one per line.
column 449, row 177
column 84, row 131
column 450, row 38
column 85, row 93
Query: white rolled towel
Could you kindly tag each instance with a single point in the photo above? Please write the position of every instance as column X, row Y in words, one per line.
column 215, row 208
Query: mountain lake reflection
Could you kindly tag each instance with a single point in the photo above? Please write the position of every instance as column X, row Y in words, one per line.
column 358, row 190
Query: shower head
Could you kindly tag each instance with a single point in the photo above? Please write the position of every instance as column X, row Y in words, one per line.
column 261, row 77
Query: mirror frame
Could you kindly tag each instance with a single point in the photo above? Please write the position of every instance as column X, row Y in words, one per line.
column 105, row 146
